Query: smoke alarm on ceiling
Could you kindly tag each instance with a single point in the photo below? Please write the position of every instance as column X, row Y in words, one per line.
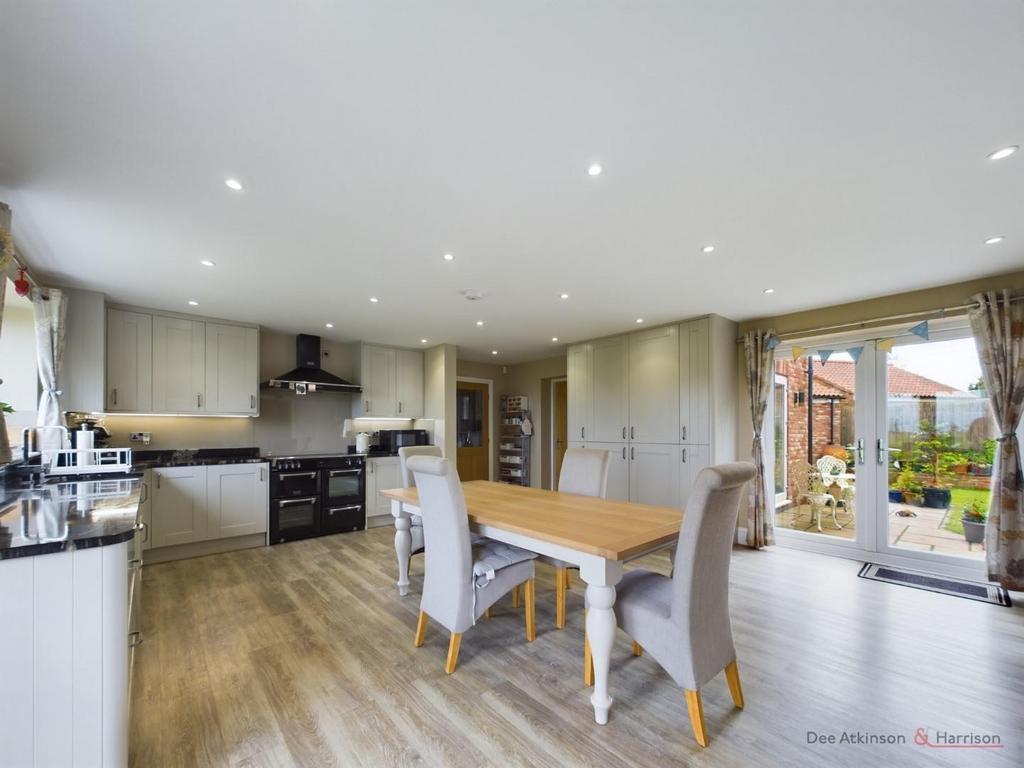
column 472, row 294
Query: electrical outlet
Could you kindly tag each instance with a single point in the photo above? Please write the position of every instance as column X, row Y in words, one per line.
column 140, row 437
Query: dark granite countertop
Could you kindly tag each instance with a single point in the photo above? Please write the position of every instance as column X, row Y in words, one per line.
column 56, row 516
column 200, row 457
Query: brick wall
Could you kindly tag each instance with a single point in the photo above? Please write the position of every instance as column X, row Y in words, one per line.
column 795, row 372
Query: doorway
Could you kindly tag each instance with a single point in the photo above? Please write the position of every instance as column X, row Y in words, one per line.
column 880, row 447
column 559, row 427
column 473, row 429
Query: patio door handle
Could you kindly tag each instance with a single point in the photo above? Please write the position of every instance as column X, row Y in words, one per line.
column 881, row 450
column 860, row 451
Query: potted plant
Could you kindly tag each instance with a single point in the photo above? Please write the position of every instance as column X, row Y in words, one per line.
column 932, row 450
column 908, row 486
column 959, row 464
column 973, row 521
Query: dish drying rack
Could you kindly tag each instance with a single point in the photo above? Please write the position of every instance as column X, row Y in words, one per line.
column 86, row 461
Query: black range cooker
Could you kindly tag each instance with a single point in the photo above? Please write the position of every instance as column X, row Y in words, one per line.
column 316, row 496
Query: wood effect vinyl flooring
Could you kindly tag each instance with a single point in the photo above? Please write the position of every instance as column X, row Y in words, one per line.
column 302, row 655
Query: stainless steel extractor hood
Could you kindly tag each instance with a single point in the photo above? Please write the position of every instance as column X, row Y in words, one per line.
column 308, row 376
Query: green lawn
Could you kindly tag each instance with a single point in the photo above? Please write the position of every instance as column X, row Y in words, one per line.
column 962, row 497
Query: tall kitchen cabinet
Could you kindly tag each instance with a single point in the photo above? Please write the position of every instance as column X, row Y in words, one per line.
column 382, row 473
column 392, row 382
column 662, row 402
column 178, row 364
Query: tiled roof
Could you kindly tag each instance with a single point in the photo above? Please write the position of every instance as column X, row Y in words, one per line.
column 836, row 378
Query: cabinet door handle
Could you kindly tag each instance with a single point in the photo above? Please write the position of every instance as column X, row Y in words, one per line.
column 134, row 639
column 632, row 433
column 367, row 406
column 262, row 475
column 632, row 453
column 399, row 406
column 113, row 396
column 623, row 453
column 583, row 433
column 623, row 433
column 145, row 494
column 683, row 432
column 683, row 454
column 252, row 401
column 199, row 400
column 158, row 481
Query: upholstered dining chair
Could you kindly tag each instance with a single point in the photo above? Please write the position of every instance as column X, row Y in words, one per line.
column 585, row 473
column 461, row 582
column 683, row 621
column 408, row 481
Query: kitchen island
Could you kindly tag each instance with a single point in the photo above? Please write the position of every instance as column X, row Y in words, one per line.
column 69, row 590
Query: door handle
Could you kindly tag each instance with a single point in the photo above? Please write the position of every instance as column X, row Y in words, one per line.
column 632, row 433
column 623, row 433
column 252, row 401
column 297, row 474
column 336, row 472
column 683, row 454
column 683, row 432
column 583, row 433
column 113, row 396
column 332, row 510
column 860, row 450
column 399, row 406
column 304, row 500
column 199, row 400
column 880, row 451
column 632, row 453
column 623, row 453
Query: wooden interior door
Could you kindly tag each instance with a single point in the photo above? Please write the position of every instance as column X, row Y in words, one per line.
column 472, row 431
column 560, row 410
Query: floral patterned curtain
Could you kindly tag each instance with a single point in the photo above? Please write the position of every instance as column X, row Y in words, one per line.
column 759, row 347
column 998, row 326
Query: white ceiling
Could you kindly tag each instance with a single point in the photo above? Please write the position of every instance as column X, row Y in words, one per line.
column 832, row 150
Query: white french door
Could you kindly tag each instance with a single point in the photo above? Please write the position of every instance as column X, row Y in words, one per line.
column 851, row 428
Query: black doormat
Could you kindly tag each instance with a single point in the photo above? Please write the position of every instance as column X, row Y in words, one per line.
column 972, row 590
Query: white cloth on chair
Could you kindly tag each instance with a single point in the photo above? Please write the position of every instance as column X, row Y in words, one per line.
column 492, row 556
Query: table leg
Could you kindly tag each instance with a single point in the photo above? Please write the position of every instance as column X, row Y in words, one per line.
column 601, row 634
column 601, row 577
column 403, row 545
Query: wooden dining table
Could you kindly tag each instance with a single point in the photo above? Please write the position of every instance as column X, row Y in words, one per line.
column 598, row 535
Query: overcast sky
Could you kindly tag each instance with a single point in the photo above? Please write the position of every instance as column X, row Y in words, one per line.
column 949, row 362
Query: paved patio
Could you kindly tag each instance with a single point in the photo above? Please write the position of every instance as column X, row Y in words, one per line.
column 922, row 530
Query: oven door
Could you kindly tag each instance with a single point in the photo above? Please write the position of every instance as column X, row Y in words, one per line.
column 288, row 485
column 292, row 519
column 344, row 486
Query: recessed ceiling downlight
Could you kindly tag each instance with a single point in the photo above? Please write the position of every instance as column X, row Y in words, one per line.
column 208, row 263
column 707, row 248
column 554, row 338
column 564, row 296
column 494, row 351
column 423, row 341
column 193, row 303
column 595, row 169
column 479, row 322
column 769, row 290
column 328, row 325
column 995, row 240
column 639, row 320
column 234, row 184
column 449, row 257
column 374, row 299
column 1002, row 154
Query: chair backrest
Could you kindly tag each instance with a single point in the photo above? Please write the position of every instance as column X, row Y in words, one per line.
column 584, row 472
column 448, row 567
column 800, row 471
column 831, row 465
column 407, row 452
column 700, row 580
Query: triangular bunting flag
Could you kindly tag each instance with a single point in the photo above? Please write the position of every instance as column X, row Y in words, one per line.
column 854, row 352
column 921, row 329
column 773, row 342
column 824, row 354
column 886, row 345
column 798, row 352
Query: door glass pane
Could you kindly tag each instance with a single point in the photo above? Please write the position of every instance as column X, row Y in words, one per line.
column 941, row 437
column 470, row 404
column 814, row 443
column 342, row 484
column 296, row 516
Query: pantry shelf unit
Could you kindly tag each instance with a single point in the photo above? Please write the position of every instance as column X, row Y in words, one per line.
column 514, row 446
